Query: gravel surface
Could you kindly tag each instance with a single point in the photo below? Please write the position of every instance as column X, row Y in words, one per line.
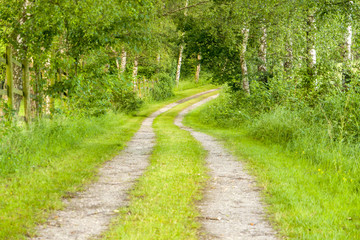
column 88, row 214
column 231, row 208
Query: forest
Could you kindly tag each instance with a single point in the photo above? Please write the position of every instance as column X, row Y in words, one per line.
column 77, row 78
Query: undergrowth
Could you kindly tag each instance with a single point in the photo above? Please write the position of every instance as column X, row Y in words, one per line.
column 326, row 132
column 304, row 153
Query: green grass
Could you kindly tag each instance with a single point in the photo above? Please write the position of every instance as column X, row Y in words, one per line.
column 189, row 82
column 163, row 201
column 305, row 199
column 52, row 160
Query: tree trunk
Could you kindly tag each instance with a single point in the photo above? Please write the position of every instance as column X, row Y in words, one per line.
column 262, row 50
column 178, row 70
column 38, row 91
column 123, row 61
column 117, row 64
column 18, row 70
column 18, row 85
column 244, row 70
column 348, row 43
column 311, row 51
column 348, row 53
column 198, row 69
column 158, row 58
column 135, row 72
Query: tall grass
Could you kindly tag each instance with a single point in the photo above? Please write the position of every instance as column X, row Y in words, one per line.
column 24, row 148
column 325, row 132
column 307, row 168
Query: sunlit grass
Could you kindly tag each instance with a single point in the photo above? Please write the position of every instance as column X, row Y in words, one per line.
column 305, row 200
column 55, row 158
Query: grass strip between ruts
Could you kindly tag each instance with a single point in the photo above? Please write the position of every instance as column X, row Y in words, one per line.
column 304, row 200
column 27, row 198
column 163, row 202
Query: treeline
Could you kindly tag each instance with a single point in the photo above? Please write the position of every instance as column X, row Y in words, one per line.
column 292, row 74
column 87, row 57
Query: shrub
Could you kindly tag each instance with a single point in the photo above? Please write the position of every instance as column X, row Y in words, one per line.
column 163, row 87
column 126, row 100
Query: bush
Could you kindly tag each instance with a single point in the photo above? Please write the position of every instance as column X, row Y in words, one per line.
column 163, row 87
column 126, row 100
column 225, row 111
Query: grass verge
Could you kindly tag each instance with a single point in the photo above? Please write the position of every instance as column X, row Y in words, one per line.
column 305, row 200
column 163, row 202
column 55, row 163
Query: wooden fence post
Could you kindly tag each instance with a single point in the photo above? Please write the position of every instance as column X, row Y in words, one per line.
column 38, row 90
column 10, row 77
column 26, row 89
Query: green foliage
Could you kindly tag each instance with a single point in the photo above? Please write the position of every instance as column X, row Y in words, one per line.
column 325, row 132
column 127, row 101
column 163, row 87
column 225, row 111
column 305, row 199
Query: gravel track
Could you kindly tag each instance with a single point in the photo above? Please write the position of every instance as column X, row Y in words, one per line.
column 231, row 208
column 89, row 213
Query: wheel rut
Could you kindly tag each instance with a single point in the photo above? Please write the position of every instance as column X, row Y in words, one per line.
column 88, row 213
column 231, row 208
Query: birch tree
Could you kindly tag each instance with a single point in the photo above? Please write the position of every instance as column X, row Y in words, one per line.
column 180, row 59
column 244, row 69
column 263, row 49
column 135, row 71
column 348, row 46
column 198, row 68
column 123, row 60
column 310, row 49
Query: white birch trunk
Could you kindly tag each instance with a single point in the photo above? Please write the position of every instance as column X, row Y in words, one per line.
column 117, row 64
column 348, row 43
column 135, row 72
column 123, row 61
column 178, row 70
column 244, row 70
column 311, row 38
column 349, row 37
column 348, row 51
column 158, row 58
column 198, row 69
column 263, row 50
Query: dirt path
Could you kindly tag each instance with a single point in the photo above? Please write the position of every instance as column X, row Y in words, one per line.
column 88, row 214
column 231, row 208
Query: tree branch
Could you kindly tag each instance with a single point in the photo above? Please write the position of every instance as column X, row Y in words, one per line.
column 183, row 8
